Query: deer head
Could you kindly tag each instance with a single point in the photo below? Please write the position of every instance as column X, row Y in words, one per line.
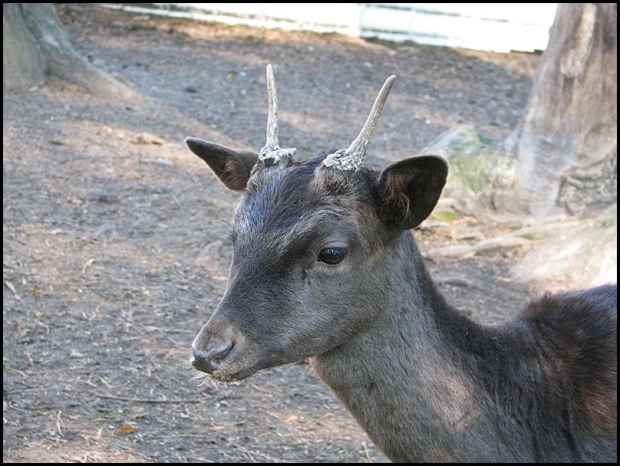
column 313, row 246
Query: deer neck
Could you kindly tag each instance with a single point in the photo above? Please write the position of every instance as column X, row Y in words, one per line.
column 403, row 378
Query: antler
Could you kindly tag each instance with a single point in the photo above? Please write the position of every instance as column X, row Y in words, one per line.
column 271, row 151
column 353, row 157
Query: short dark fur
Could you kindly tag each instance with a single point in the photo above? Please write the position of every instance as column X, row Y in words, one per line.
column 424, row 381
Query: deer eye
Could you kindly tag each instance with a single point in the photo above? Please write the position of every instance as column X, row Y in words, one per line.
column 332, row 255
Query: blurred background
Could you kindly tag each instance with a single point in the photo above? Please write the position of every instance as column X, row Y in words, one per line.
column 115, row 246
column 522, row 27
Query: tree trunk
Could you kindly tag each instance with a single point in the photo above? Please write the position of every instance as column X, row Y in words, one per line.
column 566, row 157
column 566, row 144
column 23, row 64
column 35, row 44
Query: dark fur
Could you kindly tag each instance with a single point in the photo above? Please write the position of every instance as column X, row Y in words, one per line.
column 425, row 382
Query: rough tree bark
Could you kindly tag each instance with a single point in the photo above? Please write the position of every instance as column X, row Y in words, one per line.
column 34, row 44
column 566, row 144
column 562, row 179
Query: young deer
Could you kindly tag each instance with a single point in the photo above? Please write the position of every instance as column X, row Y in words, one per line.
column 324, row 268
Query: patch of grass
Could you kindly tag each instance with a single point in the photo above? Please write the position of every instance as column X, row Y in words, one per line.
column 444, row 216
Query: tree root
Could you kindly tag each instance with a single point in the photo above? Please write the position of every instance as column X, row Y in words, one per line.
column 46, row 49
column 486, row 245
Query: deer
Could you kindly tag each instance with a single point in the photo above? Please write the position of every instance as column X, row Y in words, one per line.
column 325, row 268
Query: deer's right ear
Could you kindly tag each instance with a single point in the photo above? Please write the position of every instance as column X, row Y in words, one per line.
column 232, row 167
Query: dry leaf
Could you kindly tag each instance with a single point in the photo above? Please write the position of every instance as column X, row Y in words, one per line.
column 87, row 264
column 10, row 286
column 17, row 324
column 148, row 138
column 76, row 354
column 127, row 429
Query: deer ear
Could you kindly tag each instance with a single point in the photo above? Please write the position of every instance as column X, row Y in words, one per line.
column 232, row 167
column 409, row 190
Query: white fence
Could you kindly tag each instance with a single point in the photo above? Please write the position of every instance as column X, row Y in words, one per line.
column 499, row 27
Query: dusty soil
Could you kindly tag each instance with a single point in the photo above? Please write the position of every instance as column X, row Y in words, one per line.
column 114, row 235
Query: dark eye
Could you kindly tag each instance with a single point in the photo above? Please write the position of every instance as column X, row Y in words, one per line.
column 332, row 256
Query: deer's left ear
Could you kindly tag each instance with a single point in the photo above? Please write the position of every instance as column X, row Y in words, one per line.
column 409, row 190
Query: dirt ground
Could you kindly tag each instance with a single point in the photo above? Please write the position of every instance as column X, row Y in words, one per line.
column 114, row 235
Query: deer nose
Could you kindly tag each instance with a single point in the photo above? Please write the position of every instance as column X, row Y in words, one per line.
column 210, row 360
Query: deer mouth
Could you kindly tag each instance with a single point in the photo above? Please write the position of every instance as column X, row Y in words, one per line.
column 235, row 365
column 227, row 376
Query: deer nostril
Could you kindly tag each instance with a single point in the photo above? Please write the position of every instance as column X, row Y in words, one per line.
column 209, row 361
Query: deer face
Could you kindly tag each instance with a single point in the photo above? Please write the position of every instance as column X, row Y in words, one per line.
column 311, row 264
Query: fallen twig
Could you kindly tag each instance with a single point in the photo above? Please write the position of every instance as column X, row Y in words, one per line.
column 145, row 400
column 521, row 237
column 250, row 455
column 34, row 408
column 58, row 423
column 456, row 281
column 366, row 453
